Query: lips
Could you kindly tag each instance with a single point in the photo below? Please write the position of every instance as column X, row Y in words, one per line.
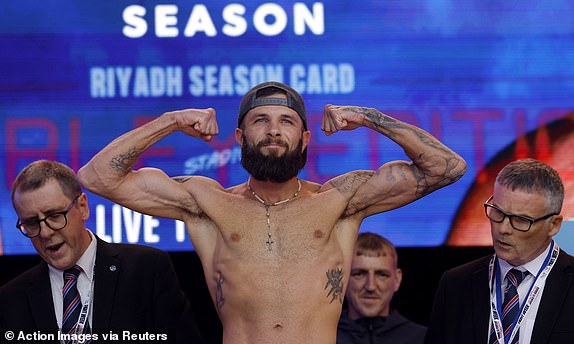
column 503, row 244
column 369, row 297
column 272, row 143
column 54, row 248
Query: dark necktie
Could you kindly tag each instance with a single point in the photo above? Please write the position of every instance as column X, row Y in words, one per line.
column 511, row 304
column 72, row 302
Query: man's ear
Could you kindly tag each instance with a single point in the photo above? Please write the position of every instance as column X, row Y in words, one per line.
column 399, row 274
column 84, row 208
column 555, row 225
column 306, row 139
column 239, row 136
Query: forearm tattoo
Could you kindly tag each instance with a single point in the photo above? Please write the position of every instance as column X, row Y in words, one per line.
column 335, row 284
column 219, row 299
column 181, row 179
column 125, row 161
column 424, row 175
column 348, row 184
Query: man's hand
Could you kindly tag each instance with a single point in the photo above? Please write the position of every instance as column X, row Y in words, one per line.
column 337, row 118
column 200, row 123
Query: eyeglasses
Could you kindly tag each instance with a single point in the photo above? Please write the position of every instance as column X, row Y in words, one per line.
column 518, row 222
column 56, row 221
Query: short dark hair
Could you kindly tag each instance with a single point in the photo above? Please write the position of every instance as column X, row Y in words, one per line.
column 37, row 173
column 534, row 176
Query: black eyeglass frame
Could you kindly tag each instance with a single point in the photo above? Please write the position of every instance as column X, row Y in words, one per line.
column 530, row 220
column 64, row 213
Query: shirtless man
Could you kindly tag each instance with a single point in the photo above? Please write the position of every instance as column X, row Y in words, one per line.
column 276, row 250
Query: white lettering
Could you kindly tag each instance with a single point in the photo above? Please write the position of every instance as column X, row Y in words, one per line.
column 166, row 21
column 117, row 222
column 200, row 21
column 179, row 231
column 235, row 24
column 149, row 224
column 97, row 82
column 136, row 25
column 270, row 10
column 268, row 19
column 132, row 222
column 141, row 84
column 152, row 81
column 218, row 80
column 303, row 18
column 123, row 76
column 101, row 223
column 322, row 79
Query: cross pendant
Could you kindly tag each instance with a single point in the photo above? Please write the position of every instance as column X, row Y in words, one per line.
column 269, row 241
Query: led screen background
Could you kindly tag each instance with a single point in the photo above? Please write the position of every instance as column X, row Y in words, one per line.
column 478, row 75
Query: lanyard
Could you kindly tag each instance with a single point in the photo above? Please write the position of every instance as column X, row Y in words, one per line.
column 533, row 292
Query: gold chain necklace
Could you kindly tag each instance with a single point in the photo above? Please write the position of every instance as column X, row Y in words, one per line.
column 270, row 241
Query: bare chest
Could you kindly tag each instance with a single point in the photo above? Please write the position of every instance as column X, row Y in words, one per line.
column 288, row 231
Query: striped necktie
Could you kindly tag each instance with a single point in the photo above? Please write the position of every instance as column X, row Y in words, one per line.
column 511, row 304
column 72, row 302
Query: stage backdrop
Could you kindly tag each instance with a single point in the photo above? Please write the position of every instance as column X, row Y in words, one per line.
column 479, row 75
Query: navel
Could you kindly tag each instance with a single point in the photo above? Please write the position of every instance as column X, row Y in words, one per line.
column 278, row 326
column 235, row 237
column 318, row 234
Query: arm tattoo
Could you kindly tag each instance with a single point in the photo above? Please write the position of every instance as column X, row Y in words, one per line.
column 450, row 175
column 124, row 162
column 335, row 283
column 219, row 299
column 377, row 118
column 348, row 184
column 181, row 179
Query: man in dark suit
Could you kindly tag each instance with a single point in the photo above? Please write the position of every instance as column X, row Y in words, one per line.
column 525, row 291
column 118, row 287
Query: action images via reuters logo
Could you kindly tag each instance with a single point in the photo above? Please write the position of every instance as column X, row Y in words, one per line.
column 42, row 337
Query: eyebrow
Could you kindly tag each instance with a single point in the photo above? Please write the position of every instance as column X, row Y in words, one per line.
column 46, row 212
column 513, row 214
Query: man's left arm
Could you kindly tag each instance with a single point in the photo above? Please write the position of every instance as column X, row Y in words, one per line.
column 395, row 183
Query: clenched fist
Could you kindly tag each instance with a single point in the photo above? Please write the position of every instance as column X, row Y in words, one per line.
column 337, row 118
column 200, row 123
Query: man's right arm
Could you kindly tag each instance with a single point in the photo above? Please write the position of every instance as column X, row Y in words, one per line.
column 148, row 190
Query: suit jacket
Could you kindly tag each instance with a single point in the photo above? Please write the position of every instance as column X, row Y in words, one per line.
column 461, row 310
column 136, row 289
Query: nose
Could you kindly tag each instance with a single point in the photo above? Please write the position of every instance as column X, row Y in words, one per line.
column 45, row 231
column 503, row 227
column 370, row 283
column 273, row 129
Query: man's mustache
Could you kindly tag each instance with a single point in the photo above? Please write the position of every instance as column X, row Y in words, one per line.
column 272, row 142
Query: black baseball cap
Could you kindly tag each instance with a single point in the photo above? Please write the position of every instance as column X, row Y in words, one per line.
column 293, row 101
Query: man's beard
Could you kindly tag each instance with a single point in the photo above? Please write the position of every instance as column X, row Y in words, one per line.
column 277, row 169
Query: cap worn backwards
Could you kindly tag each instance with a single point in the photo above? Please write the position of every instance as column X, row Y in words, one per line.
column 293, row 101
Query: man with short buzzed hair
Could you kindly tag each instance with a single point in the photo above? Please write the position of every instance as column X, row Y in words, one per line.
column 375, row 278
